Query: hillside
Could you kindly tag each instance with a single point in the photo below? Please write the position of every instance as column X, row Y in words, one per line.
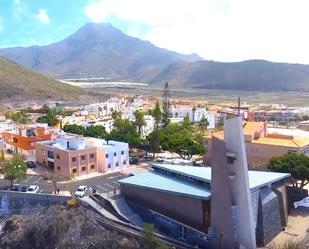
column 96, row 50
column 253, row 75
column 101, row 50
column 20, row 83
column 60, row 227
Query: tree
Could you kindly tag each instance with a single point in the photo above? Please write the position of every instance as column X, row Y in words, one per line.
column 97, row 131
column 21, row 116
column 139, row 120
column 125, row 132
column 14, row 169
column 295, row 164
column 149, row 241
column 157, row 115
column 193, row 114
column 166, row 105
column 182, row 140
column 186, row 122
column 75, row 129
column 203, row 124
column 155, row 139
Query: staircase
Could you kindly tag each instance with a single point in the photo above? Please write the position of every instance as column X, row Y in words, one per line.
column 124, row 210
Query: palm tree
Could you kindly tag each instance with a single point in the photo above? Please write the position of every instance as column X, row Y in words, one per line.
column 139, row 120
column 203, row 124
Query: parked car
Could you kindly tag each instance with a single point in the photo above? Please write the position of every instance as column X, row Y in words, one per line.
column 148, row 157
column 33, row 189
column 31, row 164
column 20, row 188
column 81, row 191
column 133, row 160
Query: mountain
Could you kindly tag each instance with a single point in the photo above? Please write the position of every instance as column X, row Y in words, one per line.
column 252, row 75
column 96, row 50
column 20, row 83
column 101, row 50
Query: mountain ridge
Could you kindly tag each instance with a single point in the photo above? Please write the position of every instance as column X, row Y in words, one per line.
column 101, row 50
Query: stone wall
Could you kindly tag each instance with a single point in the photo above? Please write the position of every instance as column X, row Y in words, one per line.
column 18, row 203
column 269, row 218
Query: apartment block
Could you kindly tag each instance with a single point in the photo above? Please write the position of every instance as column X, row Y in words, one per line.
column 73, row 155
column 22, row 139
column 263, row 143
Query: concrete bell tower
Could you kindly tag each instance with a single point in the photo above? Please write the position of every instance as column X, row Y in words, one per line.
column 231, row 208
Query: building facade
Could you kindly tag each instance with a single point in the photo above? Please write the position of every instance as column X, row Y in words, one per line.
column 262, row 144
column 177, row 199
column 22, row 140
column 73, row 155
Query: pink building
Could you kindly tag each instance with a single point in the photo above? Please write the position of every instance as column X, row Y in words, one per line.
column 68, row 156
column 73, row 155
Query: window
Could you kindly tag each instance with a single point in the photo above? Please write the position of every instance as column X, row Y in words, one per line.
column 58, row 168
column 73, row 159
column 117, row 164
column 106, row 156
column 115, row 154
column 124, row 162
column 182, row 233
column 83, row 169
column 58, row 157
column 91, row 155
column 166, row 220
column 200, row 236
column 122, row 152
column 15, row 140
column 83, row 157
column 109, row 165
column 50, row 154
column 74, row 171
column 92, row 166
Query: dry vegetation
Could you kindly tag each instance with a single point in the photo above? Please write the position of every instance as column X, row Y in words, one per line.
column 20, row 83
column 60, row 227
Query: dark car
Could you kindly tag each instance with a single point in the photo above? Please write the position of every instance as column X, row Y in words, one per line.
column 20, row 188
column 133, row 160
column 31, row 164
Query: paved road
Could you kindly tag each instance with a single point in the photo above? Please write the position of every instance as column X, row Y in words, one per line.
column 103, row 183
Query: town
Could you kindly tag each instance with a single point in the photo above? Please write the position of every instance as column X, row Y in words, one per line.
column 154, row 124
column 146, row 160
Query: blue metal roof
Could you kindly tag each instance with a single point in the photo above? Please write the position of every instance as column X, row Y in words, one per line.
column 257, row 179
column 165, row 183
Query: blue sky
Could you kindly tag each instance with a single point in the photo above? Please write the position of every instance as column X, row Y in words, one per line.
column 40, row 22
column 222, row 30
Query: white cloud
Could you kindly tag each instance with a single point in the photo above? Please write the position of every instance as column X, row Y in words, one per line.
column 224, row 30
column 42, row 16
column 19, row 9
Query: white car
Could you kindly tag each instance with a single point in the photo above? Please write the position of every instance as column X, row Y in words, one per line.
column 81, row 191
column 33, row 189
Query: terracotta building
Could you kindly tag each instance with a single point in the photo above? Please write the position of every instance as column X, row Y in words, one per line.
column 261, row 145
column 22, row 140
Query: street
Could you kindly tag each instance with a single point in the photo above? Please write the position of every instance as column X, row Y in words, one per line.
column 103, row 183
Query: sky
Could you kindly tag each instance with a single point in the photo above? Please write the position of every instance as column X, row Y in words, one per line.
column 221, row 30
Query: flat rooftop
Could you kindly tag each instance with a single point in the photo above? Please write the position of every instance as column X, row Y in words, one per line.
column 168, row 184
column 162, row 181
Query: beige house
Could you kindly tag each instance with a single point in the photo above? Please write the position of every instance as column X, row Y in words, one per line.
column 261, row 145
